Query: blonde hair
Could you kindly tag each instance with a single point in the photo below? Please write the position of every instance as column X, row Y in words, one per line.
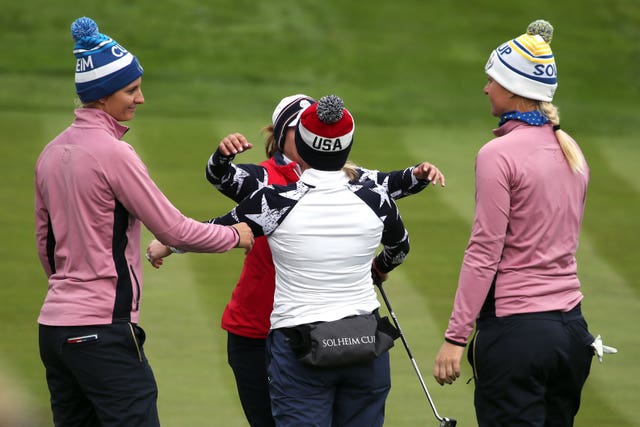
column 350, row 169
column 569, row 148
column 270, row 145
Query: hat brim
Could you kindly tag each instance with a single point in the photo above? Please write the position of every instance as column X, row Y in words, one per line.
column 295, row 120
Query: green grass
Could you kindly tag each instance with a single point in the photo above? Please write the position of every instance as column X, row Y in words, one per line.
column 411, row 73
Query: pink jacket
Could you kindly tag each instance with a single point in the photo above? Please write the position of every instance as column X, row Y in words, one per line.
column 529, row 209
column 92, row 192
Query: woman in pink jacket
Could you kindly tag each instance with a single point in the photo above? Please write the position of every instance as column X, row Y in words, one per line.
column 518, row 285
column 92, row 194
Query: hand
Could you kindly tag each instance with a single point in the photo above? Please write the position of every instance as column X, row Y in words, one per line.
column 233, row 144
column 246, row 236
column 156, row 251
column 429, row 172
column 446, row 368
column 377, row 275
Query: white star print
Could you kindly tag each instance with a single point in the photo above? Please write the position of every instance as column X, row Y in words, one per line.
column 268, row 218
column 382, row 192
column 239, row 177
column 297, row 193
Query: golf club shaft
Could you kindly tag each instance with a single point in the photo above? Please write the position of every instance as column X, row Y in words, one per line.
column 406, row 346
column 444, row 421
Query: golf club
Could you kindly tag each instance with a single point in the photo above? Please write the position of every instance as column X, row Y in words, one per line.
column 444, row 421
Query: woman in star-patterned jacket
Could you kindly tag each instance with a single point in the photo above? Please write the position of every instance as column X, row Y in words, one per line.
column 246, row 316
column 323, row 231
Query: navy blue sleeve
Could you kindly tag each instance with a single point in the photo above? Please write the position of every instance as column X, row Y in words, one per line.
column 395, row 237
column 398, row 183
column 265, row 209
column 234, row 181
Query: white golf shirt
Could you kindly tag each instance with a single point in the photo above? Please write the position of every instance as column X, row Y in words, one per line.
column 323, row 233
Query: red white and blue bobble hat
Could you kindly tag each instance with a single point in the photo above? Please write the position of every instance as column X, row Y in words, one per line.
column 526, row 65
column 286, row 115
column 102, row 65
column 324, row 134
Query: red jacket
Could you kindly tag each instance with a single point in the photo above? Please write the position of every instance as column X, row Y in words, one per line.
column 247, row 313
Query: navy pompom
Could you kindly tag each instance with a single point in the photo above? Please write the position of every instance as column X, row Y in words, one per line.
column 330, row 109
column 84, row 27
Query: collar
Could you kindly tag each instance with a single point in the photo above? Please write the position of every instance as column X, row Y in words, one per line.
column 324, row 179
column 282, row 160
column 94, row 117
column 533, row 118
column 514, row 124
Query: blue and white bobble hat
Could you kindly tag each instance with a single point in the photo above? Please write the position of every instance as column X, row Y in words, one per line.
column 525, row 65
column 102, row 65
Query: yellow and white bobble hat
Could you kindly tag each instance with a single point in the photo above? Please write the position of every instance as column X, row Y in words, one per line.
column 525, row 65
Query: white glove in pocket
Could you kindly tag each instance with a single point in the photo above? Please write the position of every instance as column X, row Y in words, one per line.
column 601, row 349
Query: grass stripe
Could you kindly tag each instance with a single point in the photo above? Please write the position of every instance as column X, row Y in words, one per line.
column 610, row 306
column 407, row 404
column 613, row 204
column 187, row 350
column 16, row 404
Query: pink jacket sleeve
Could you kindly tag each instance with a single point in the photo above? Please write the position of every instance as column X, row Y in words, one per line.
column 485, row 245
column 143, row 199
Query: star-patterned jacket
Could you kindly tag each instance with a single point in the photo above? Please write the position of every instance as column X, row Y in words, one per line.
column 248, row 311
column 323, row 232
column 237, row 181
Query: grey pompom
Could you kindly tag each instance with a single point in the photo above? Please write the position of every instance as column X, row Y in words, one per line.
column 542, row 28
column 330, row 109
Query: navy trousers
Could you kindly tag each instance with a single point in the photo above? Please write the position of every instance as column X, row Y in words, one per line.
column 248, row 360
column 530, row 368
column 98, row 376
column 303, row 395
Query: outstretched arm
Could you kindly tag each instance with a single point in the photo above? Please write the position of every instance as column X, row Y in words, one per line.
column 234, row 181
column 405, row 182
column 157, row 251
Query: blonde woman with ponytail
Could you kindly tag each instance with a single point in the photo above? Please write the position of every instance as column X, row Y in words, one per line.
column 518, row 285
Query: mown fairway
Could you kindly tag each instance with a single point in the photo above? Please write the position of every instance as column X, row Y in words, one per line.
column 411, row 72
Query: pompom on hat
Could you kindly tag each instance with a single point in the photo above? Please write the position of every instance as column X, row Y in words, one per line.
column 525, row 65
column 324, row 134
column 286, row 115
column 102, row 65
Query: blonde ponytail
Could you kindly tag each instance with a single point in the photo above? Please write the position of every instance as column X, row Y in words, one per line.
column 569, row 148
column 270, row 146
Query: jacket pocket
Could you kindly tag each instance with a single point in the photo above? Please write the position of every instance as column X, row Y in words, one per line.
column 138, row 337
column 137, row 296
